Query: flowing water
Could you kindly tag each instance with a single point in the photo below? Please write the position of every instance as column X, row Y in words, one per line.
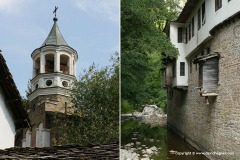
column 170, row 146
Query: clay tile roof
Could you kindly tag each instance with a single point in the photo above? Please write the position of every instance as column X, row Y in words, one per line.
column 67, row 152
column 55, row 37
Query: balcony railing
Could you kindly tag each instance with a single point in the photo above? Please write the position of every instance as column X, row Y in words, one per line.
column 49, row 68
column 64, row 69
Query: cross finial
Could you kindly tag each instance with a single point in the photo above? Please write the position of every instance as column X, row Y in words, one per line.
column 55, row 10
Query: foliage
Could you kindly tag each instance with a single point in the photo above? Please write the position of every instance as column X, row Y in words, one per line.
column 96, row 102
column 126, row 107
column 26, row 103
column 154, row 92
column 29, row 89
column 142, row 22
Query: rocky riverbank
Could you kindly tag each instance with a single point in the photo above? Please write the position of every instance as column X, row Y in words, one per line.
column 151, row 114
column 139, row 147
column 137, row 150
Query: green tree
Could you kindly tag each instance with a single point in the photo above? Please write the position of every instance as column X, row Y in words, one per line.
column 96, row 103
column 142, row 22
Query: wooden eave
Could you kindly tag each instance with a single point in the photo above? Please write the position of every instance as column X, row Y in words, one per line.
column 190, row 5
column 205, row 57
column 226, row 22
column 12, row 96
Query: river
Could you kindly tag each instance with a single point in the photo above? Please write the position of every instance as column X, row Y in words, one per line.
column 169, row 145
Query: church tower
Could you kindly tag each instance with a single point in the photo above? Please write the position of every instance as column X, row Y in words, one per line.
column 54, row 71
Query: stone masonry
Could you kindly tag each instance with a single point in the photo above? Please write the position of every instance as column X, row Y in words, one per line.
column 42, row 105
column 213, row 127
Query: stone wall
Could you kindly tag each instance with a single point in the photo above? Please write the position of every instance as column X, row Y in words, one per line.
column 214, row 127
column 42, row 105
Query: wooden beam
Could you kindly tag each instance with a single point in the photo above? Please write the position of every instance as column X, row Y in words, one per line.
column 11, row 100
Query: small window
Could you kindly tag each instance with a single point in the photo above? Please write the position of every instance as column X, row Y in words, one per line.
column 36, row 86
column 208, row 50
column 180, row 34
column 182, row 68
column 186, row 35
column 199, row 19
column 65, row 83
column 49, row 83
column 190, row 70
column 192, row 26
column 203, row 14
column 218, row 4
column 174, row 69
column 189, row 32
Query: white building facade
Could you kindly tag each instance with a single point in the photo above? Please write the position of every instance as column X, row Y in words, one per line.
column 7, row 130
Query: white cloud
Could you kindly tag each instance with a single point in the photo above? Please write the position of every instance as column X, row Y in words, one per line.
column 103, row 8
column 11, row 6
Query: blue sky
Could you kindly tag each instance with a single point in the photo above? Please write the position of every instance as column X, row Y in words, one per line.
column 91, row 27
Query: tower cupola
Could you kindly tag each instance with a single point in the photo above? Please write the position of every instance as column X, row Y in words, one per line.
column 54, row 65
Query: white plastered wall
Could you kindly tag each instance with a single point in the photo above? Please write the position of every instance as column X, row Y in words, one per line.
column 7, row 127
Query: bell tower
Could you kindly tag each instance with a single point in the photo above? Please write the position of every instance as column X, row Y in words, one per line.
column 54, row 71
column 54, row 67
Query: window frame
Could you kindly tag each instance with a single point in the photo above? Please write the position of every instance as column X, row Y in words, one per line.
column 189, row 32
column 186, row 35
column 174, row 69
column 192, row 26
column 203, row 14
column 199, row 19
column 218, row 4
column 182, row 68
column 180, row 35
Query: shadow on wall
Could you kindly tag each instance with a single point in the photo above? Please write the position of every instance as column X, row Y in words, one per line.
column 180, row 97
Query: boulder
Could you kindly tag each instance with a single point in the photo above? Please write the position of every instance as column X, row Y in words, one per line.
column 152, row 110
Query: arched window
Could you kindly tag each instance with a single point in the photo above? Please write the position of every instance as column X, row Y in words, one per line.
column 28, row 138
column 64, row 64
column 37, row 66
column 42, row 136
column 39, row 135
column 49, row 67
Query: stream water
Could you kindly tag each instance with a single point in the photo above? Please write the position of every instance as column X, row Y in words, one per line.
column 169, row 145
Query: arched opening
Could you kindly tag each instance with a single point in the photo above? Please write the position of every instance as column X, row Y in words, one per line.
column 49, row 67
column 39, row 135
column 37, row 66
column 28, row 138
column 64, row 64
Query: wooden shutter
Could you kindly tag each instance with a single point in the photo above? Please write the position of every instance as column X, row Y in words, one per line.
column 210, row 74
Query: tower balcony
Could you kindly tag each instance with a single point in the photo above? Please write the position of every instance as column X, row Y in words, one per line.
column 64, row 69
column 49, row 68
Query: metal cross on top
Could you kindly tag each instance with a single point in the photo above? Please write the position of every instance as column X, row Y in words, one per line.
column 55, row 10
